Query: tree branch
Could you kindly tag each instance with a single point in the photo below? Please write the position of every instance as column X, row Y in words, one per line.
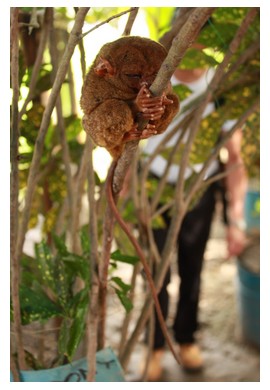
column 14, row 214
column 131, row 20
column 92, row 321
column 38, row 60
column 107, row 21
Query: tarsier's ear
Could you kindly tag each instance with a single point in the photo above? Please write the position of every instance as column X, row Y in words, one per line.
column 104, row 68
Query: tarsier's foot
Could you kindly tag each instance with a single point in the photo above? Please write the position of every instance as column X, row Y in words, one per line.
column 136, row 134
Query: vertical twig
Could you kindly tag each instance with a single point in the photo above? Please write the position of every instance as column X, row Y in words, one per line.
column 60, row 118
column 92, row 321
column 130, row 22
column 126, row 322
column 82, row 53
column 72, row 94
column 14, row 214
column 14, row 369
column 78, row 191
column 38, row 62
column 180, row 20
column 60, row 77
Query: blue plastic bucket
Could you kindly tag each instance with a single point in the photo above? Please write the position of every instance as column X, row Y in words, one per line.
column 252, row 210
column 249, row 302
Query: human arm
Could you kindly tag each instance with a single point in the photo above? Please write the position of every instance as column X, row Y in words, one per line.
column 236, row 185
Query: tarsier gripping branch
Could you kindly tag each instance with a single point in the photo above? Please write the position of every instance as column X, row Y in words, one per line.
column 116, row 90
column 115, row 95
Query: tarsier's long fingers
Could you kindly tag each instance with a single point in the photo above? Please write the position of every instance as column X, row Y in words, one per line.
column 153, row 113
column 152, row 108
column 135, row 134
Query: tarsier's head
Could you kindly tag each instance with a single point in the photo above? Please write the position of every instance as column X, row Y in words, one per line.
column 129, row 62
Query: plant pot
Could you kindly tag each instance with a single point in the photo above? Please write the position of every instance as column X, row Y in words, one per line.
column 108, row 370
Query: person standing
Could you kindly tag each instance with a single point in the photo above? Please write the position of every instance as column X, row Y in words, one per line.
column 195, row 230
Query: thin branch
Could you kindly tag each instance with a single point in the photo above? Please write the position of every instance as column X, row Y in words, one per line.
column 128, row 317
column 34, row 20
column 180, row 20
column 72, row 93
column 78, row 192
column 82, row 53
column 182, row 41
column 130, row 22
column 14, row 370
column 60, row 118
column 220, row 175
column 92, row 322
column 60, row 77
column 107, row 21
column 38, row 62
column 14, row 214
column 246, row 55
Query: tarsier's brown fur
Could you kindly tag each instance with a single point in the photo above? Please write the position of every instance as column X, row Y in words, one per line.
column 116, row 90
column 114, row 93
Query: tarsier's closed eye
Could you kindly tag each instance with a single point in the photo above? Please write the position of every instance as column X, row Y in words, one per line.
column 134, row 75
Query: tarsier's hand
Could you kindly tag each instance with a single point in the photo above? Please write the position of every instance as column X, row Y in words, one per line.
column 151, row 108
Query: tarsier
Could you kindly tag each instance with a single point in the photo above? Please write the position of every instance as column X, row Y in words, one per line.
column 115, row 95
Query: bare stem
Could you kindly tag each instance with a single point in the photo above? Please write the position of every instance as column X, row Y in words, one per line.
column 92, row 323
column 107, row 21
column 131, row 20
column 14, row 214
column 38, row 61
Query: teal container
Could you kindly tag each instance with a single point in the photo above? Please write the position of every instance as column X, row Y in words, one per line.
column 252, row 210
column 108, row 369
column 249, row 298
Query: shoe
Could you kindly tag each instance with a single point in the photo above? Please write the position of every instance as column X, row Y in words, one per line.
column 191, row 357
column 155, row 368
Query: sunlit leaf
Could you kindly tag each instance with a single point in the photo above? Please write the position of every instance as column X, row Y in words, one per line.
column 118, row 256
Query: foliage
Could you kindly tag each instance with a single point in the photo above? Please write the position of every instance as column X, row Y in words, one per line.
column 48, row 289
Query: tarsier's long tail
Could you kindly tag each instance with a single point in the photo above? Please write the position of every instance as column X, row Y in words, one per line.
column 141, row 256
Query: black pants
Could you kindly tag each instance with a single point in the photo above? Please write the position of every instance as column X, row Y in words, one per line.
column 192, row 241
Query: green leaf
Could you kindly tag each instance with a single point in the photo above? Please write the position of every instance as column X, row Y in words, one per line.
column 78, row 265
column 79, row 302
column 126, row 302
column 85, row 241
column 63, row 337
column 60, row 244
column 76, row 332
column 124, row 287
column 118, row 256
column 36, row 305
column 45, row 264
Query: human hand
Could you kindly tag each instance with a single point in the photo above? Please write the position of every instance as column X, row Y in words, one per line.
column 236, row 240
